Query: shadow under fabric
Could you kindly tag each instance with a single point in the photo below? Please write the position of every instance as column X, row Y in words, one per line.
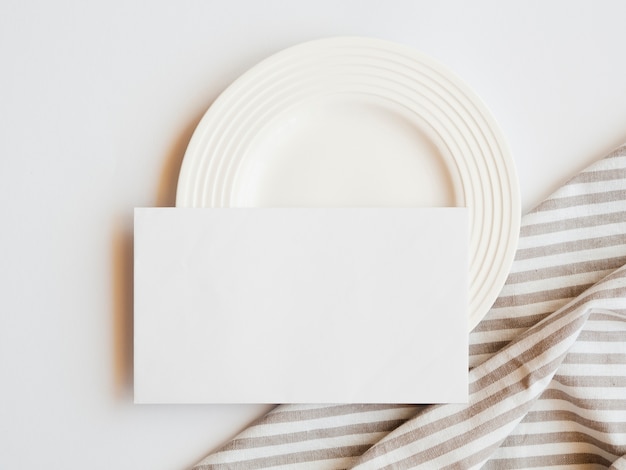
column 547, row 364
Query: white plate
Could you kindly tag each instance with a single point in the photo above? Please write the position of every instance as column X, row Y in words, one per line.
column 360, row 122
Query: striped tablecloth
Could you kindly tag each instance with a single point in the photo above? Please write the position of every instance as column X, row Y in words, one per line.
column 547, row 364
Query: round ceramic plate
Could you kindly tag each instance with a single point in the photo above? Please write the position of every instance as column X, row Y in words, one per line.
column 357, row 122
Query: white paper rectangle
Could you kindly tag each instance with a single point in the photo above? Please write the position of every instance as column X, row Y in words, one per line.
column 300, row 305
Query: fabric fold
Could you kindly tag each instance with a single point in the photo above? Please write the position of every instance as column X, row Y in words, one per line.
column 547, row 364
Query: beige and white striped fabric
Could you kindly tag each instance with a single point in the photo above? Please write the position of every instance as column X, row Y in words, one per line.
column 547, row 364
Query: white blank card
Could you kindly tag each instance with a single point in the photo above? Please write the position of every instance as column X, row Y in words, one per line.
column 300, row 305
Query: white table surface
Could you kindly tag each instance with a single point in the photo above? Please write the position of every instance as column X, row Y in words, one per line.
column 98, row 101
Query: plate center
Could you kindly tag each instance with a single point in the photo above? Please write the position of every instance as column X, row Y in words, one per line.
column 344, row 151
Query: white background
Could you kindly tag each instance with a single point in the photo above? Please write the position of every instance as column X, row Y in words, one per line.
column 98, row 101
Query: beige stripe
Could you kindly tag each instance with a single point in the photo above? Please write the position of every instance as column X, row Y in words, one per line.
column 550, row 306
column 567, row 270
column 568, row 292
column 570, row 246
column 280, row 416
column 581, row 200
column 557, row 437
column 591, row 358
column 617, row 274
column 590, row 381
column 510, row 323
column 573, row 223
column 487, row 348
column 545, row 461
column 618, row 152
column 584, row 403
column 613, row 315
column 603, row 336
column 286, row 459
column 598, row 175
column 312, row 434
column 562, row 415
